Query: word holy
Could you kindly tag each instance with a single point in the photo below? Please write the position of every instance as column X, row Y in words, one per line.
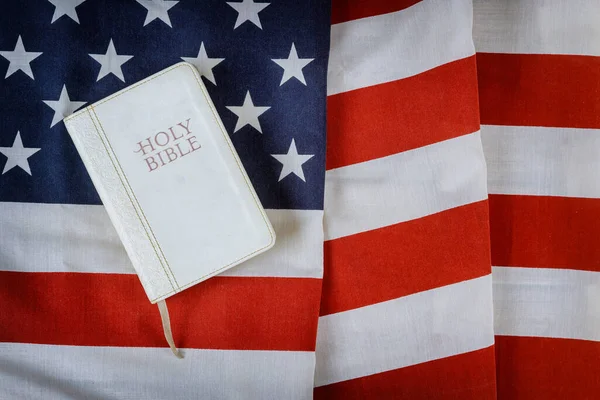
column 167, row 146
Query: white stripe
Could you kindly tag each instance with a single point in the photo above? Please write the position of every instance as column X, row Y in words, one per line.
column 393, row 46
column 68, row 372
column 80, row 238
column 542, row 161
column 404, row 186
column 410, row 330
column 537, row 26
column 554, row 303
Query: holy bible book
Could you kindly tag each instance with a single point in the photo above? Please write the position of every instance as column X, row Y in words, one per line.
column 171, row 181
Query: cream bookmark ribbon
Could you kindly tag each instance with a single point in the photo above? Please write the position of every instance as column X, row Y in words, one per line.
column 166, row 323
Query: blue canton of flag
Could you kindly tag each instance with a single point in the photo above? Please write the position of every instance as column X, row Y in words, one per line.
column 264, row 65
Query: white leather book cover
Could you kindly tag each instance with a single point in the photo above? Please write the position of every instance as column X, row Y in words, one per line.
column 171, row 181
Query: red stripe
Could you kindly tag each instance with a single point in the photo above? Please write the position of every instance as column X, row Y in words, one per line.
column 347, row 10
column 545, row 232
column 546, row 368
column 385, row 119
column 112, row 310
column 539, row 90
column 461, row 377
column 402, row 259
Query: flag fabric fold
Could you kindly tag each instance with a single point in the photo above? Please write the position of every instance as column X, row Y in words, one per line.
column 407, row 287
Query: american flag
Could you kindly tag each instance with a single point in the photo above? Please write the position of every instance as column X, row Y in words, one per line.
column 457, row 254
column 538, row 66
column 75, row 320
column 406, row 309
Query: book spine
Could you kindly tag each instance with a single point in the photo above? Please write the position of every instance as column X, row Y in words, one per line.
column 121, row 204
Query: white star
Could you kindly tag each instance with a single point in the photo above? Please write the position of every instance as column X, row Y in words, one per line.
column 204, row 64
column 17, row 155
column 248, row 11
column 19, row 59
column 63, row 106
column 65, row 7
column 247, row 114
column 292, row 66
column 292, row 162
column 158, row 9
column 111, row 62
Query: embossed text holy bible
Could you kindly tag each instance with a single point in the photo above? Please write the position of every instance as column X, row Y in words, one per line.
column 171, row 182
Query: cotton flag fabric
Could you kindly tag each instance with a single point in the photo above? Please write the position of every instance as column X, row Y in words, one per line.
column 539, row 86
column 430, row 168
column 406, row 308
